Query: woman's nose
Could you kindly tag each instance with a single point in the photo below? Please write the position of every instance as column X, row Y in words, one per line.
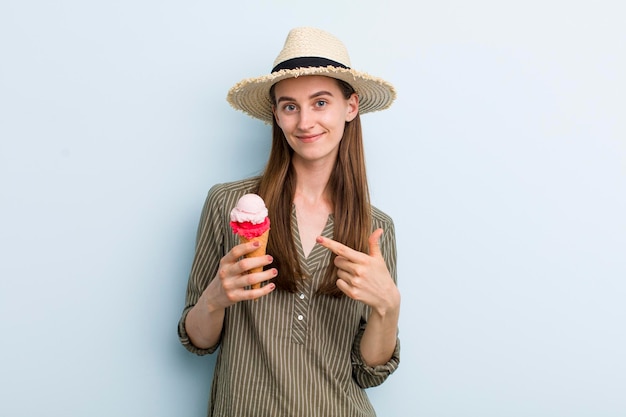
column 305, row 121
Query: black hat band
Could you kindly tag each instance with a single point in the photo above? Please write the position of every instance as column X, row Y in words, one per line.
column 307, row 62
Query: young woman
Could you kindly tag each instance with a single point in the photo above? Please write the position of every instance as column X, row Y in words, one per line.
column 324, row 325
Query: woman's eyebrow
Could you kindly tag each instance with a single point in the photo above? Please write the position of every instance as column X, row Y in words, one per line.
column 321, row 93
column 314, row 95
column 285, row 98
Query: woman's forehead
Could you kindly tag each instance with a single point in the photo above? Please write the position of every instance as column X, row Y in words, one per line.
column 306, row 84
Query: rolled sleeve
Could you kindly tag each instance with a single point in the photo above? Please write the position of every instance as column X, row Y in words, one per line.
column 184, row 337
column 370, row 376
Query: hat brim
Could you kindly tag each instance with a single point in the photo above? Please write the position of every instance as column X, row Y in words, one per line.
column 252, row 95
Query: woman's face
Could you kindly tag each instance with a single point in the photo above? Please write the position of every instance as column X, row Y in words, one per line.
column 312, row 112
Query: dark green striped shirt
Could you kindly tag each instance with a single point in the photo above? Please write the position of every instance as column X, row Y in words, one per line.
column 285, row 354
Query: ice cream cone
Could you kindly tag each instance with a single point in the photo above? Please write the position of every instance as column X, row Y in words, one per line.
column 260, row 251
column 249, row 221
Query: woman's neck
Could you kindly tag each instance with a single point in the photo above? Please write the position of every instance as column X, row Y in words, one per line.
column 312, row 184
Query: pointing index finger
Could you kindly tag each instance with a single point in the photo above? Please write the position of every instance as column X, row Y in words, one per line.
column 337, row 248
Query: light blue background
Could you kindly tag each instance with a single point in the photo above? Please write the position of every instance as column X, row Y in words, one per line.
column 503, row 163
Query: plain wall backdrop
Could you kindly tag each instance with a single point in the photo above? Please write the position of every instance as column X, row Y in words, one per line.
column 502, row 162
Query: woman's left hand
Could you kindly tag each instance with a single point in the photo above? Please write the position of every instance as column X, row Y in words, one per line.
column 365, row 277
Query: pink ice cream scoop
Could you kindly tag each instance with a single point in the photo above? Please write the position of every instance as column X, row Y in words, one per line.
column 249, row 217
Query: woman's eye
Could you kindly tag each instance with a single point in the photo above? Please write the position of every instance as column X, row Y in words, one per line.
column 290, row 107
column 320, row 103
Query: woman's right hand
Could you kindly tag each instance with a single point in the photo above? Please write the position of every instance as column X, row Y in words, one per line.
column 205, row 320
column 232, row 281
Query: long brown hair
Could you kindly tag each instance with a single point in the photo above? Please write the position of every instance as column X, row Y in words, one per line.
column 351, row 203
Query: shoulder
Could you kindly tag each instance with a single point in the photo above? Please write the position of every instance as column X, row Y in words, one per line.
column 381, row 219
column 224, row 196
column 233, row 190
column 387, row 242
column 239, row 187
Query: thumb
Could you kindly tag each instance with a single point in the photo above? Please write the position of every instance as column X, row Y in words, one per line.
column 373, row 242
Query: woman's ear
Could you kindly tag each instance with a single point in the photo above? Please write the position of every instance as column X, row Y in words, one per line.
column 353, row 107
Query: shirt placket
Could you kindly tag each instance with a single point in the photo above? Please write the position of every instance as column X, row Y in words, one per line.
column 300, row 319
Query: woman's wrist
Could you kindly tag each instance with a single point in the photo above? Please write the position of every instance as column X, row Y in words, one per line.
column 390, row 308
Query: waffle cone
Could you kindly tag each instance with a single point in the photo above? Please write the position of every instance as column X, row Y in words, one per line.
column 260, row 251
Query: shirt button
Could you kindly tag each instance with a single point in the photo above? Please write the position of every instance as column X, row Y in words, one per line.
column 300, row 316
column 301, row 296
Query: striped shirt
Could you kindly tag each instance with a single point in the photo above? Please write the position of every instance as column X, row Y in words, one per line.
column 285, row 354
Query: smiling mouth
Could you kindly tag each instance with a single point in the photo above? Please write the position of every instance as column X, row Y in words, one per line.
column 309, row 138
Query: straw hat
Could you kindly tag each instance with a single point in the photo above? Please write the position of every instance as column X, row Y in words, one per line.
column 310, row 51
